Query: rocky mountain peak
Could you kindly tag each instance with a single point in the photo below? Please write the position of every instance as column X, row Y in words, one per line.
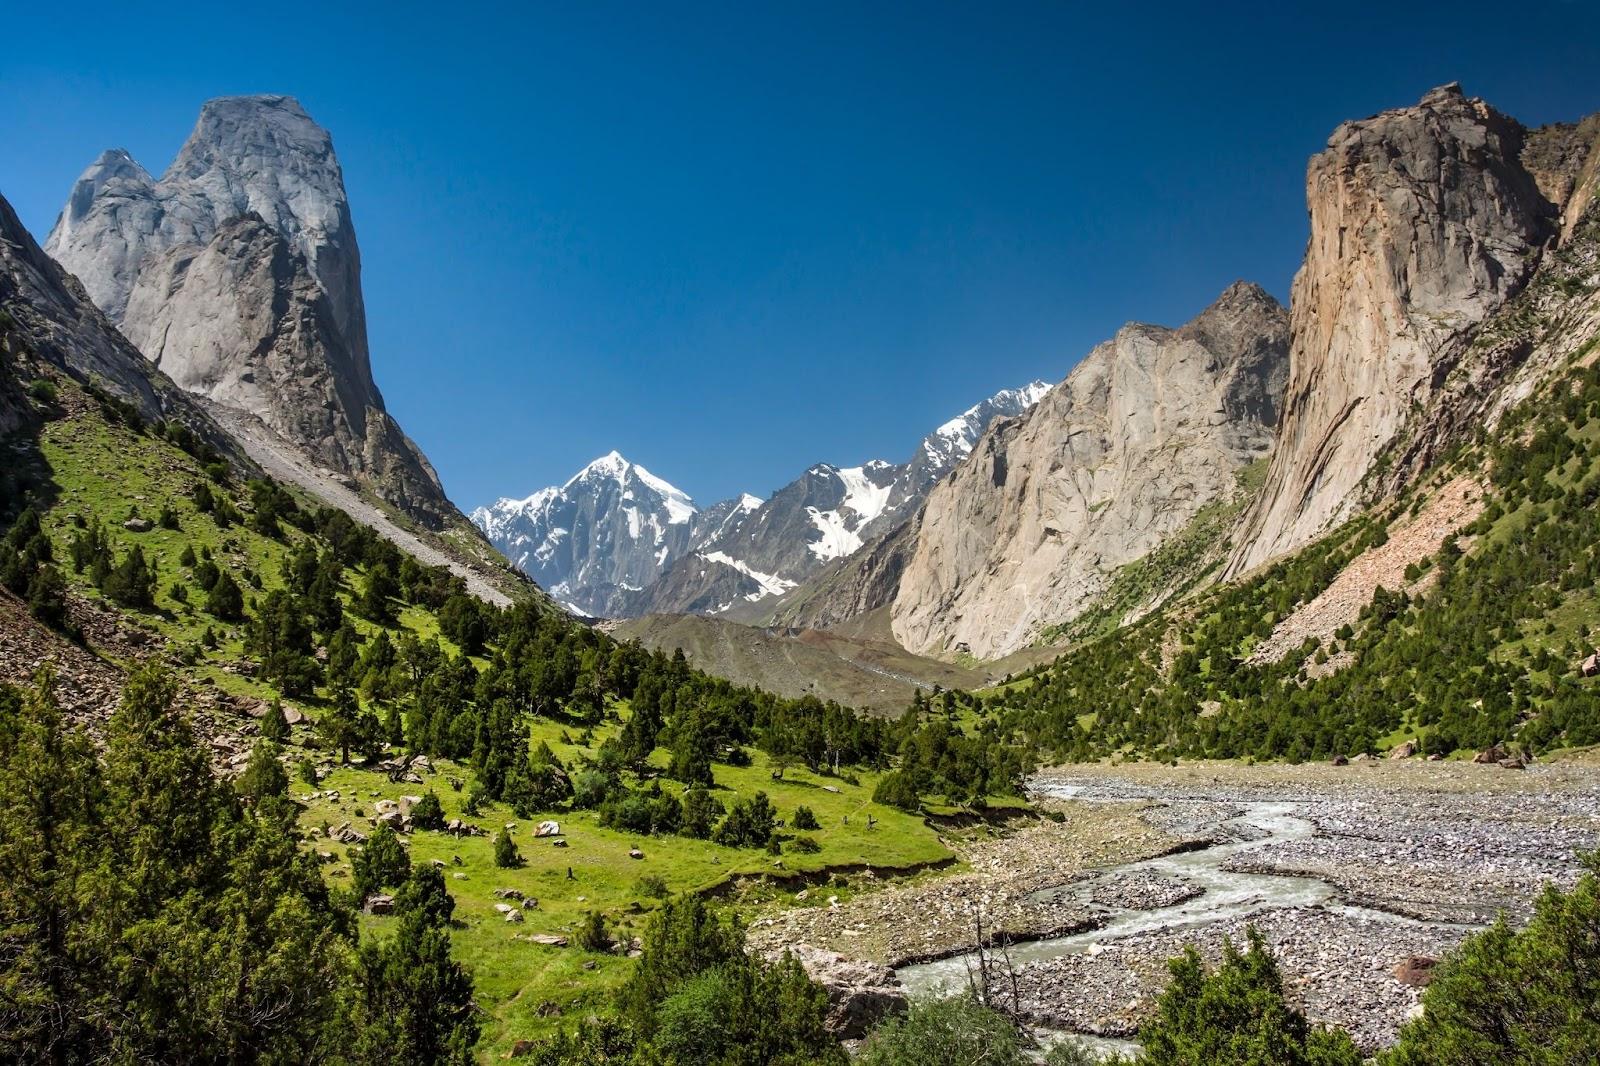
column 1424, row 221
column 1151, row 427
column 238, row 273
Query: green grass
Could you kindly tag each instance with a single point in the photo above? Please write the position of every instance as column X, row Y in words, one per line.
column 528, row 989
column 103, row 470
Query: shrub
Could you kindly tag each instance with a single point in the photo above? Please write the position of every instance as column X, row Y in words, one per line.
column 428, row 812
column 506, row 855
column 805, row 845
column 896, row 789
column 805, row 819
column 1228, row 1014
column 592, row 934
column 1523, row 997
column 945, row 1032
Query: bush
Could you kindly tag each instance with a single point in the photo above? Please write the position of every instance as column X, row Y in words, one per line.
column 805, row 845
column 592, row 934
column 805, row 819
column 949, row 1031
column 896, row 789
column 652, row 885
column 382, row 862
column 1524, row 997
column 506, row 855
column 428, row 812
column 43, row 390
column 1231, row 1013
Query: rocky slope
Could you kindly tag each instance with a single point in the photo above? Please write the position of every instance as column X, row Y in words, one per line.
column 1424, row 221
column 1150, row 427
column 238, row 274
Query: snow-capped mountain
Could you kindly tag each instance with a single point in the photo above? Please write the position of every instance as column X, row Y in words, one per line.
column 827, row 513
column 616, row 540
column 611, row 530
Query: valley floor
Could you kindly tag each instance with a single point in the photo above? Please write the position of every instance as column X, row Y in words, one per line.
column 1358, row 876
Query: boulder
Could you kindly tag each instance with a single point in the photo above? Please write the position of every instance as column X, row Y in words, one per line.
column 379, row 904
column 547, row 829
column 635, row 853
column 1404, row 751
column 1415, row 970
column 860, row 994
column 547, row 940
column 137, row 525
column 1590, row 667
column 513, row 915
column 1490, row 755
column 1339, row 760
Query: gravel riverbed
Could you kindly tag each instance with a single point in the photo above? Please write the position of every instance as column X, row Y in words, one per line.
column 1348, row 872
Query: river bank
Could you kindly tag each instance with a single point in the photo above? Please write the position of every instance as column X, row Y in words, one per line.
column 1352, row 874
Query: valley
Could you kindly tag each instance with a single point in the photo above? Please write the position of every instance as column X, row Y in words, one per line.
column 1234, row 699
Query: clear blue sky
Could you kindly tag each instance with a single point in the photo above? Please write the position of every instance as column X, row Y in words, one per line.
column 731, row 241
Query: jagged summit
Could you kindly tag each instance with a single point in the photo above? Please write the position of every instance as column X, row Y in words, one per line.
column 238, row 273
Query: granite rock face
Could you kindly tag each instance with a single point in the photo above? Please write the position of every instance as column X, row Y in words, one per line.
column 1424, row 221
column 238, row 274
column 1149, row 428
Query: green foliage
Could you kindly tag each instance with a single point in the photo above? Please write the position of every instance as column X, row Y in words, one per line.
column 264, row 777
column 381, row 863
column 804, row 818
column 1236, row 1014
column 750, row 823
column 1529, row 996
column 506, row 855
column 145, row 916
column 592, row 934
column 223, row 598
column 896, row 789
column 696, row 997
column 945, row 1031
column 428, row 813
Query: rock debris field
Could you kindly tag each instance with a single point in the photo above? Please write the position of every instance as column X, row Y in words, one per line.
column 1357, row 876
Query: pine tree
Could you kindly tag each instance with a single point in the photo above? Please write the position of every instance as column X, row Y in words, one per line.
column 224, row 600
column 506, row 855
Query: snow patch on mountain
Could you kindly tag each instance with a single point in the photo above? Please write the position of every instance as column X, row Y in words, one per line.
column 771, row 585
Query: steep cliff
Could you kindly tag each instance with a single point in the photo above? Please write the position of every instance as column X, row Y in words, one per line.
column 238, row 274
column 1424, row 222
column 1151, row 426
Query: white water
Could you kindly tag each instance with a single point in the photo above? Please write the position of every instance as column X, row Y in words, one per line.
column 1223, row 895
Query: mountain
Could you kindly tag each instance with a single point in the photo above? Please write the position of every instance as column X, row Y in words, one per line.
column 1425, row 221
column 611, row 529
column 1149, row 429
column 826, row 514
column 238, row 274
column 616, row 541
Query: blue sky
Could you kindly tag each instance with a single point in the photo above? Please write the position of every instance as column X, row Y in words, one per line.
column 734, row 240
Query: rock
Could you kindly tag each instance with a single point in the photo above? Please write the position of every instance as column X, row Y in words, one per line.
column 1514, row 762
column 521, row 1048
column 559, row 842
column 1339, row 760
column 1149, row 428
column 513, row 915
column 238, row 272
column 1403, row 750
column 379, row 904
column 1423, row 223
column 1590, row 667
column 508, row 893
column 137, row 525
column 547, row 829
column 635, row 853
column 860, row 994
column 1489, row 755
column 1415, row 970
column 546, row 939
